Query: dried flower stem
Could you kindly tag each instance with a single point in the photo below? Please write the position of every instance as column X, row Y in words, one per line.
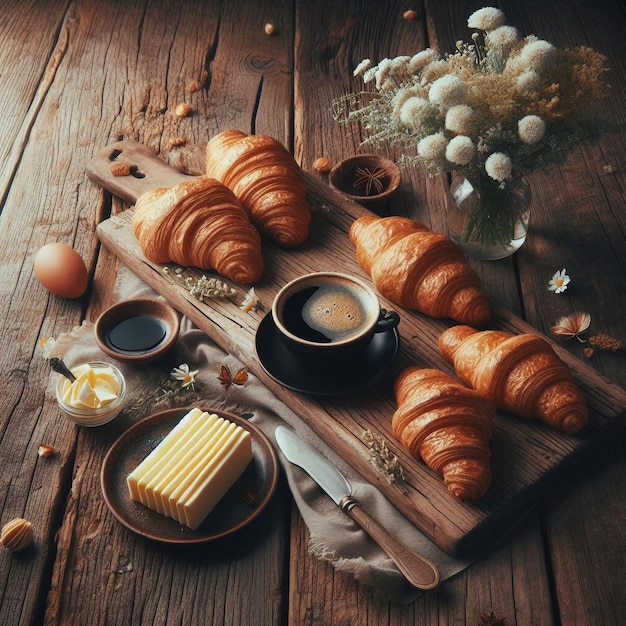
column 383, row 459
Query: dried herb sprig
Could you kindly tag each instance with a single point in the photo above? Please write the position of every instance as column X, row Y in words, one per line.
column 383, row 459
column 203, row 287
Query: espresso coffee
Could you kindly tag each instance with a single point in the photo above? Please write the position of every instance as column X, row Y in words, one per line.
column 326, row 313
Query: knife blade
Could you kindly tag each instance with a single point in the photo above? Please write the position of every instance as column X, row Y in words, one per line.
column 418, row 570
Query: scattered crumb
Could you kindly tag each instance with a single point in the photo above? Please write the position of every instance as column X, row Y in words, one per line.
column 410, row 15
column 177, row 141
column 182, row 110
column 322, row 164
column 121, row 168
column 193, row 86
column 45, row 450
column 269, row 28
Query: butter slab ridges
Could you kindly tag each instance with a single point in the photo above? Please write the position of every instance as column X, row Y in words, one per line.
column 189, row 472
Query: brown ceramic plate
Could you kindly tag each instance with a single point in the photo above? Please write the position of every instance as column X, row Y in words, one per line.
column 239, row 506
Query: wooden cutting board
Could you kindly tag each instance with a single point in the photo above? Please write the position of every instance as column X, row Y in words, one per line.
column 526, row 456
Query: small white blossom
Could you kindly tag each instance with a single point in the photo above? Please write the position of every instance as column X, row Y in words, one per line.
column 382, row 72
column 369, row 75
column 537, row 54
column 487, row 18
column 498, row 165
column 433, row 147
column 399, row 65
column 459, row 119
column 460, row 150
column 413, row 110
column 360, row 69
column 250, row 302
column 527, row 82
column 531, row 129
column 447, row 91
column 559, row 281
column 422, row 59
column 502, row 37
column 184, row 374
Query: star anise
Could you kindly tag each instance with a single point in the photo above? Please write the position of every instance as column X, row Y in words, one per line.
column 370, row 178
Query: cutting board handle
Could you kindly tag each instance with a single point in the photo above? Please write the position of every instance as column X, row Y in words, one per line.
column 146, row 170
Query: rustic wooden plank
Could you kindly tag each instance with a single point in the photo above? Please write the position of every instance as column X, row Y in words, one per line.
column 523, row 454
column 152, row 51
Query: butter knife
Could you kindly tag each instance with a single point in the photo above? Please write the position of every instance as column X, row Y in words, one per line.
column 418, row 570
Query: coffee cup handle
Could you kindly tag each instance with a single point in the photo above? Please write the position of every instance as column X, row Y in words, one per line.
column 388, row 320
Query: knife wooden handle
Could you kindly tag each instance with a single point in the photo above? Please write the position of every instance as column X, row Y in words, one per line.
column 418, row 570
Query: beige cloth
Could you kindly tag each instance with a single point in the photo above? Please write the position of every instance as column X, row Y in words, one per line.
column 333, row 535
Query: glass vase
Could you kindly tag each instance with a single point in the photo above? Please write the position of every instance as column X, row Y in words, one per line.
column 486, row 220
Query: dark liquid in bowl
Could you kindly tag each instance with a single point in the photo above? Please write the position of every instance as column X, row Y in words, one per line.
column 325, row 313
column 137, row 335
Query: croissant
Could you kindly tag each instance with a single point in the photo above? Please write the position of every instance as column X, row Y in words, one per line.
column 266, row 179
column 521, row 373
column 448, row 426
column 199, row 223
column 419, row 269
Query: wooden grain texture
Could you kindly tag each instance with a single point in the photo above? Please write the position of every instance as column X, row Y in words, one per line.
column 524, row 454
column 77, row 76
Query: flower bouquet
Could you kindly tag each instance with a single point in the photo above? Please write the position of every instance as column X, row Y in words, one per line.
column 492, row 111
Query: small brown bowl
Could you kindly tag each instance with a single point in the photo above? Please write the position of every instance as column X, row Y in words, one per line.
column 368, row 179
column 137, row 331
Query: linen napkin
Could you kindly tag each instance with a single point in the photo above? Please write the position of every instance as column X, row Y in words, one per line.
column 333, row 536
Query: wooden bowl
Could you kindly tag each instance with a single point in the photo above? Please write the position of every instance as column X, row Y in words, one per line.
column 137, row 331
column 369, row 179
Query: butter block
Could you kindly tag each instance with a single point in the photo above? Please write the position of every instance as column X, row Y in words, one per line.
column 194, row 466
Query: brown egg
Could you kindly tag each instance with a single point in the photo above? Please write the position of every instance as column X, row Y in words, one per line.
column 61, row 270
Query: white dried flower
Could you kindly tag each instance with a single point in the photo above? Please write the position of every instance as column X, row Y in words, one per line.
column 460, row 150
column 502, row 37
column 447, row 91
column 186, row 375
column 459, row 119
column 382, row 72
column 369, row 75
column 531, row 129
column 527, row 82
column 559, row 281
column 487, row 18
column 413, row 110
column 538, row 53
column 433, row 147
column 421, row 60
column 360, row 69
column 433, row 71
column 498, row 165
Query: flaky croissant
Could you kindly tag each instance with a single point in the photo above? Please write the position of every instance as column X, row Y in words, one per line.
column 520, row 373
column 199, row 223
column 419, row 269
column 448, row 426
column 266, row 179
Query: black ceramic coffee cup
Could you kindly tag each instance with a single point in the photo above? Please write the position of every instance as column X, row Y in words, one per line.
column 327, row 317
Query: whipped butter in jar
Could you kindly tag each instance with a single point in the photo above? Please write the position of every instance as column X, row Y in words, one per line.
column 95, row 397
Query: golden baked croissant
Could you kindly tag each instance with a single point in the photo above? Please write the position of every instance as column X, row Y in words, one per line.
column 448, row 426
column 520, row 373
column 199, row 223
column 266, row 179
column 419, row 269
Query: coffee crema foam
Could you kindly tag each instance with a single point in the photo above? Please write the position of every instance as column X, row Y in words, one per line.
column 335, row 311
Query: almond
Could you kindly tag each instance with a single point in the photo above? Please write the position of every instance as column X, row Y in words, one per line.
column 17, row 534
column 45, row 450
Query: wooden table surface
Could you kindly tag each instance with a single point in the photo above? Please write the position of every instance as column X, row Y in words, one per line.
column 76, row 76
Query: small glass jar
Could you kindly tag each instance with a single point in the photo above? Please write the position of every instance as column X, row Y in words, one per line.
column 86, row 416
